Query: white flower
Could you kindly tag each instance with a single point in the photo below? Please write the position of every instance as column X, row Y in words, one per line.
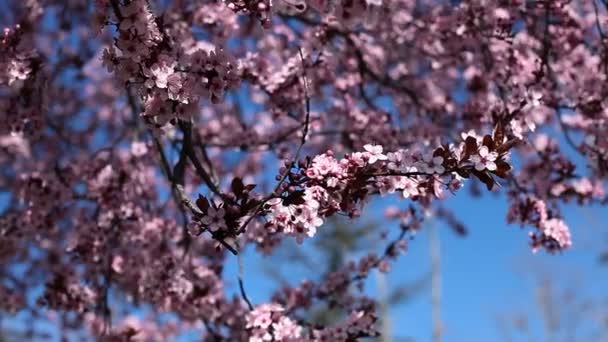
column 138, row 149
column 214, row 220
column 471, row 133
column 375, row 153
column 484, row 159
column 533, row 99
column 332, row 182
column 17, row 71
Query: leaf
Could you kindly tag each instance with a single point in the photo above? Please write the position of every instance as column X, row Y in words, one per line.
column 250, row 187
column 470, row 146
column 202, row 203
column 498, row 134
column 487, row 141
column 237, row 186
column 296, row 198
column 507, row 146
column 485, row 178
column 502, row 169
column 248, row 205
column 463, row 173
column 439, row 152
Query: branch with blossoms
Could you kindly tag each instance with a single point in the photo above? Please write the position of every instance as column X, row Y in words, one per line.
column 323, row 186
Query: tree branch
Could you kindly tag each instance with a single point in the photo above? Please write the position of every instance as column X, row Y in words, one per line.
column 188, row 149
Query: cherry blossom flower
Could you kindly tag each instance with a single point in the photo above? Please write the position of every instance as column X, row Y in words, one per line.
column 484, row 159
column 375, row 153
column 157, row 75
column 214, row 220
column 17, row 71
column 432, row 164
column 267, row 323
column 556, row 229
column 410, row 189
column 139, row 149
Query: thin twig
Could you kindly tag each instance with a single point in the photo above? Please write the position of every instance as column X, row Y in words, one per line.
column 186, row 128
column 241, row 282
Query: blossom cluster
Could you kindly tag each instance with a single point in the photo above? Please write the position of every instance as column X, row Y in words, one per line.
column 552, row 232
column 20, row 64
column 328, row 185
column 170, row 78
column 267, row 323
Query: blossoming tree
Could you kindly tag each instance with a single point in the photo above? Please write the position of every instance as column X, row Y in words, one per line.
column 145, row 143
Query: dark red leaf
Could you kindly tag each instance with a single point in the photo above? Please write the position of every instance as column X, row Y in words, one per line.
column 487, row 141
column 498, row 134
column 202, row 203
column 463, row 173
column 237, row 186
column 439, row 152
column 470, row 146
column 507, row 146
column 485, row 178
column 502, row 169
column 296, row 197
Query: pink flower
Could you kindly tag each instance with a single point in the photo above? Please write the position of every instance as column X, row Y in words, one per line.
column 558, row 231
column 175, row 86
column 118, row 264
column 194, row 228
column 214, row 220
column 533, row 100
column 138, row 149
column 375, row 153
column 582, row 186
column 484, row 159
column 286, row 329
column 322, row 165
column 432, row 164
column 17, row 71
column 157, row 75
column 410, row 189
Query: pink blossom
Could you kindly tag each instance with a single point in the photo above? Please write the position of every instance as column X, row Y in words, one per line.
column 431, row 164
column 556, row 229
column 17, row 71
column 484, row 159
column 410, row 189
column 375, row 153
column 157, row 75
column 214, row 220
column 286, row 330
column 139, row 149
